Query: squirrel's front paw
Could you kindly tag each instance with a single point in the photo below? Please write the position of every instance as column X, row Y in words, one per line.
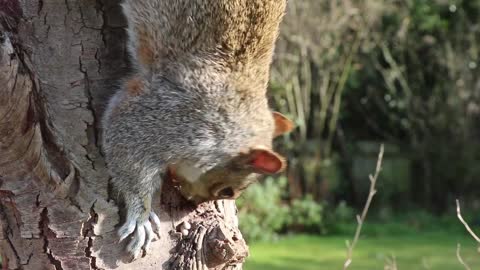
column 142, row 232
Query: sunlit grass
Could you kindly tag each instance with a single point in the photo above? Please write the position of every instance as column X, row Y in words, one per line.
column 422, row 251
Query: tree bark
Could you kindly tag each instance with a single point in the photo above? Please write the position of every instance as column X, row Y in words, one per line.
column 59, row 62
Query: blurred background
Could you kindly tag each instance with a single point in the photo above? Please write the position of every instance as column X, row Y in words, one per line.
column 354, row 75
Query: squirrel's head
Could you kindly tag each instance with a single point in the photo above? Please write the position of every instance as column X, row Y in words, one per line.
column 227, row 180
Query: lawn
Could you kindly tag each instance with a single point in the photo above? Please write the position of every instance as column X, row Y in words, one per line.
column 422, row 251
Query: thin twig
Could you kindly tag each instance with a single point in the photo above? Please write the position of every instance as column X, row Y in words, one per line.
column 361, row 219
column 391, row 263
column 469, row 230
column 459, row 215
column 459, row 257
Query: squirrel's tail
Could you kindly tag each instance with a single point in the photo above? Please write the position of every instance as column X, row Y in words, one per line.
column 234, row 31
column 148, row 23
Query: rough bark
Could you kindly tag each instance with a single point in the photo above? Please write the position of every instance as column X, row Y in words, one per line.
column 59, row 62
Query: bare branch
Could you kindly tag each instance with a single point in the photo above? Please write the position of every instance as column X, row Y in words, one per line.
column 469, row 230
column 459, row 215
column 459, row 257
column 361, row 219
column 391, row 263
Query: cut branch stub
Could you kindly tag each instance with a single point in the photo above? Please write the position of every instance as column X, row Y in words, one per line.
column 213, row 242
column 224, row 245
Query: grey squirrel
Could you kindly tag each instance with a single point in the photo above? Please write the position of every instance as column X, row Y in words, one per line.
column 195, row 107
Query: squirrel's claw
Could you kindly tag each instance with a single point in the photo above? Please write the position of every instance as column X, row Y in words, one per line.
column 156, row 222
column 137, row 242
column 143, row 233
column 126, row 229
column 148, row 236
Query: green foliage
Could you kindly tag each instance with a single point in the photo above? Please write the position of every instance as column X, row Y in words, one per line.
column 263, row 213
column 402, row 72
column 338, row 218
column 427, row 16
column 416, row 85
column 343, row 213
column 306, row 215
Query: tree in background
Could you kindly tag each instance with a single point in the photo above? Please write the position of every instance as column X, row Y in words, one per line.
column 403, row 72
column 417, row 85
column 314, row 58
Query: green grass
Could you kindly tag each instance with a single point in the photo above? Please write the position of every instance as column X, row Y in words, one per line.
column 418, row 251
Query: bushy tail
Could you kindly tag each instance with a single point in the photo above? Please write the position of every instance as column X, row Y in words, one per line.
column 233, row 32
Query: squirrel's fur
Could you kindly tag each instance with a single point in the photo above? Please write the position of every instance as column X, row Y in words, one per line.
column 196, row 104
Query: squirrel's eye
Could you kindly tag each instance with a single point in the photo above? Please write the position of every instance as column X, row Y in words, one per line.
column 226, row 193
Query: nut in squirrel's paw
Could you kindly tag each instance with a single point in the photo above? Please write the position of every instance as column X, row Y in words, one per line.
column 141, row 231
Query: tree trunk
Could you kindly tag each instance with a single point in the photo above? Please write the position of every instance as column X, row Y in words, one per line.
column 59, row 62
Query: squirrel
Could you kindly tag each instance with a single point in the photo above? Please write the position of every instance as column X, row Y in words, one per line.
column 195, row 107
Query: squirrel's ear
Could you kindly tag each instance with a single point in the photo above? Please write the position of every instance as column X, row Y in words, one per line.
column 282, row 124
column 265, row 161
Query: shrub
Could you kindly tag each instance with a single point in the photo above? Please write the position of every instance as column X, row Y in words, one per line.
column 264, row 212
column 306, row 215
